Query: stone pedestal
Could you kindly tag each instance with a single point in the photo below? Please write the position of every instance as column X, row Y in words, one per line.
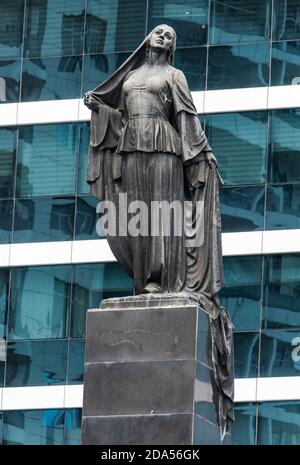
column 148, row 376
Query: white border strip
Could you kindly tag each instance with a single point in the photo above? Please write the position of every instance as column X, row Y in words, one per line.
column 211, row 101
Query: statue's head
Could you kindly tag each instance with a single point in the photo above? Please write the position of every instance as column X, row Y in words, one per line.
column 163, row 37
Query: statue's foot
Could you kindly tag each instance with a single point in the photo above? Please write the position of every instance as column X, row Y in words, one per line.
column 152, row 288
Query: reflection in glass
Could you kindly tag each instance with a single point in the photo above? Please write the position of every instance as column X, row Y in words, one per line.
column 246, row 346
column 7, row 161
column 242, row 208
column 73, row 426
column 44, row 219
column 280, row 353
column 1, row 428
column 281, row 291
column 286, row 24
column 236, row 21
column 279, row 423
column 4, row 295
column 285, row 63
column 240, row 143
column 92, row 283
column 47, row 159
column 76, row 361
column 284, row 160
column 51, row 78
column 54, row 27
column 11, row 28
column 192, row 61
column 243, row 430
column 9, row 80
column 84, row 142
column 188, row 17
column 6, row 216
column 283, row 207
column 238, row 66
column 37, row 427
column 39, row 302
column 242, row 291
column 36, row 363
column 86, row 218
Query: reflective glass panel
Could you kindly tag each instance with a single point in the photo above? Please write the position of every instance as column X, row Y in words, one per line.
column 11, row 28
column 1, row 428
column 47, row 159
column 36, row 363
column 8, row 138
column 192, row 61
column 286, row 23
column 285, row 66
column 239, row 142
column 6, row 216
column 4, row 296
column 243, row 430
column 54, row 27
column 283, row 207
column 280, row 353
column 238, row 66
column 76, row 361
column 246, row 346
column 188, row 17
column 36, row 427
column 114, row 25
column 281, row 307
column 51, row 78
column 242, row 208
column 279, row 423
column 284, row 158
column 39, row 302
column 235, row 21
column 84, row 142
column 73, row 426
column 44, row 219
column 241, row 294
column 92, row 283
column 86, row 218
column 9, row 80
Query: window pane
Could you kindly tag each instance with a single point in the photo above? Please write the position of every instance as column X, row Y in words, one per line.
column 76, row 361
column 40, row 299
column 51, row 78
column 11, row 28
column 73, row 426
column 242, row 208
column 281, row 291
column 285, row 63
column 280, row 353
column 9, row 81
column 242, row 292
column 243, row 430
column 4, row 295
column 6, row 216
column 286, row 24
column 239, row 21
column 86, row 218
column 188, row 18
column 47, row 159
column 279, row 423
column 192, row 61
column 3, row 354
column 94, row 282
column 54, row 27
column 84, row 142
column 37, row 427
column 284, row 161
column 283, row 207
column 1, row 428
column 114, row 25
column 246, row 346
column 36, row 363
column 7, row 161
column 239, row 142
column 44, row 219
column 238, row 66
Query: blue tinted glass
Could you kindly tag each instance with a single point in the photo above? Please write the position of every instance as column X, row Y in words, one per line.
column 239, row 141
column 54, row 27
column 239, row 21
column 243, row 430
column 36, row 363
column 37, row 427
column 282, row 210
column 84, row 142
column 7, row 161
column 11, row 28
column 6, row 216
column 114, row 25
column 188, row 18
column 1, row 428
column 47, row 160
column 39, row 302
column 238, row 66
column 285, row 66
column 51, row 78
column 76, row 361
column 279, row 423
column 86, row 218
column 4, row 296
column 97, row 68
column 286, row 24
column 284, row 159
column 92, row 283
column 246, row 346
column 9, row 80
column 44, row 219
column 73, row 426
column 192, row 61
column 280, row 353
column 242, row 208
column 241, row 294
column 281, row 291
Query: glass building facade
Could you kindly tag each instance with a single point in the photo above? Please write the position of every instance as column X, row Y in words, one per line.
column 56, row 50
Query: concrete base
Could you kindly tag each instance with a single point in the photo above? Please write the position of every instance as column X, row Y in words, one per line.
column 148, row 376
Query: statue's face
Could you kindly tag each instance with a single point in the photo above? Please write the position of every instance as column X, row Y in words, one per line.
column 162, row 37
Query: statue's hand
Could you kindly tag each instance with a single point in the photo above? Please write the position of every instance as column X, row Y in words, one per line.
column 211, row 159
column 90, row 102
